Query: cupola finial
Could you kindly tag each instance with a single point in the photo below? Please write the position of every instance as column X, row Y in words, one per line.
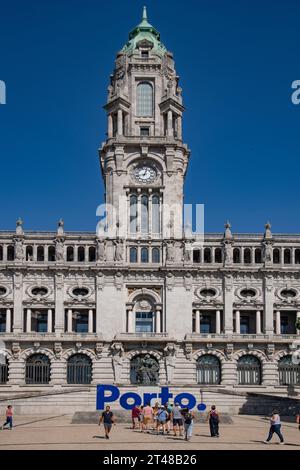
column 145, row 13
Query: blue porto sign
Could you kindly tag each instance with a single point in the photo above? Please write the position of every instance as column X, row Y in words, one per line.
column 108, row 394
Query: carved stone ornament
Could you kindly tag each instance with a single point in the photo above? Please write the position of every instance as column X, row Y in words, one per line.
column 229, row 351
column 57, row 349
column 188, row 349
column 16, row 350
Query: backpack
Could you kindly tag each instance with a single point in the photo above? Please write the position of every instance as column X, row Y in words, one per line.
column 188, row 418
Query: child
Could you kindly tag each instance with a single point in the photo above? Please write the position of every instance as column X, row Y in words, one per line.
column 9, row 418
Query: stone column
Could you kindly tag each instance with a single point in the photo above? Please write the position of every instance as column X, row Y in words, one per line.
column 90, row 325
column 278, row 324
column 120, row 122
column 179, row 127
column 268, row 316
column 69, row 326
column 109, row 126
column 49, row 321
column 228, row 304
column 18, row 324
column 237, row 322
column 258, row 323
column 170, row 123
column 28, row 320
column 8, row 321
column 130, row 321
column 59, row 304
column 218, row 322
column 297, row 318
column 197, row 327
column 158, row 320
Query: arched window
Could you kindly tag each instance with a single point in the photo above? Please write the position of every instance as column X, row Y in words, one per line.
column 144, row 214
column 196, row 256
column 92, row 254
column 289, row 373
column 144, row 370
column 297, row 256
column 79, row 369
column 1, row 253
column 155, row 255
column 208, row 370
column 249, row 370
column 133, row 214
column 4, row 372
column 40, row 253
column 10, row 253
column 29, row 253
column 258, row 255
column 70, row 253
column 37, row 369
column 218, row 255
column 144, row 100
column 247, row 256
column 155, row 214
column 236, row 255
column 81, row 254
column 144, row 255
column 287, row 256
column 133, row 255
column 207, row 255
column 276, row 256
column 51, row 253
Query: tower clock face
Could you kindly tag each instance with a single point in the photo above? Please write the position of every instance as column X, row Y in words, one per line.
column 144, row 174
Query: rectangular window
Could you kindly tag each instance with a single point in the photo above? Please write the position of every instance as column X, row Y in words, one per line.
column 205, row 324
column 284, row 325
column 39, row 322
column 145, row 131
column 80, row 323
column 144, row 322
column 245, row 325
column 2, row 322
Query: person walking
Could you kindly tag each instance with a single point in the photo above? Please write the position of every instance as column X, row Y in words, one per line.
column 176, row 417
column 147, row 417
column 135, row 416
column 108, row 420
column 156, row 409
column 213, row 418
column 9, row 418
column 188, row 418
column 275, row 426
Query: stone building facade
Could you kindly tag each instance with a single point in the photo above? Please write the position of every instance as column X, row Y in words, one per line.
column 79, row 309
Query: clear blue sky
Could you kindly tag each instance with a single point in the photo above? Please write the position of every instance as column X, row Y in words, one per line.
column 237, row 60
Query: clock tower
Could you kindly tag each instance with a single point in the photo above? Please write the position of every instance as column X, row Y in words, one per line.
column 144, row 159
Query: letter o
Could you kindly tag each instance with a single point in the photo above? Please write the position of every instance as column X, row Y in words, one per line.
column 186, row 396
column 124, row 400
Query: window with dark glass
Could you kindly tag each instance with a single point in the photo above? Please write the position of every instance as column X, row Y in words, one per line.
column 2, row 322
column 144, row 255
column 249, row 370
column 39, row 321
column 284, row 325
column 155, row 255
column 144, row 100
column 145, row 131
column 208, row 370
column 79, row 369
column 289, row 373
column 144, row 322
column 244, row 325
column 205, row 324
column 37, row 369
column 133, row 255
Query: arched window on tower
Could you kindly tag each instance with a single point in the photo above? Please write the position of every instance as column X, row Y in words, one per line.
column 247, row 256
column 155, row 214
column 133, row 255
column 144, row 255
column 287, row 256
column 70, row 253
column 276, row 256
column 258, row 256
column 145, row 214
column 92, row 254
column 155, row 255
column 207, row 255
column 144, row 100
column 297, row 256
column 236, row 255
column 1, row 253
column 10, row 253
column 81, row 254
column 133, row 214
column 218, row 255
column 29, row 253
column 40, row 253
column 51, row 253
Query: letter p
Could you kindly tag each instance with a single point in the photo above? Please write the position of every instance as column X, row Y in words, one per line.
column 102, row 397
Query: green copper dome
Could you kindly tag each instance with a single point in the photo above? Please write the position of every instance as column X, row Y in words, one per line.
column 144, row 31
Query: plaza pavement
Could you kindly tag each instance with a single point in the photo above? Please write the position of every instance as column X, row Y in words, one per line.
column 57, row 433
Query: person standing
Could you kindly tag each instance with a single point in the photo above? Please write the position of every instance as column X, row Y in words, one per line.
column 213, row 419
column 108, row 420
column 275, row 427
column 176, row 417
column 135, row 416
column 188, row 418
column 156, row 409
column 9, row 418
column 162, row 417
